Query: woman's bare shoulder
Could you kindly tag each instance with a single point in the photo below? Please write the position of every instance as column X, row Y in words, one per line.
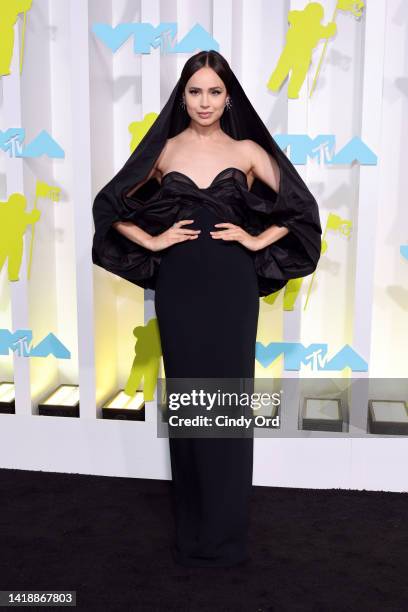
column 254, row 151
column 250, row 145
column 168, row 149
column 158, row 164
column 247, row 150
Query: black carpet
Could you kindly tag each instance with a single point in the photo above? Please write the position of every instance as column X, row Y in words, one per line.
column 108, row 539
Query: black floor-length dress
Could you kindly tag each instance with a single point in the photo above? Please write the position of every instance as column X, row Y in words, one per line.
column 207, row 299
column 207, row 304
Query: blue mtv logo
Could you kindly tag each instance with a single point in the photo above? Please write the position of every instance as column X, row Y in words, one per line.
column 20, row 343
column 12, row 141
column 145, row 36
column 322, row 148
column 295, row 354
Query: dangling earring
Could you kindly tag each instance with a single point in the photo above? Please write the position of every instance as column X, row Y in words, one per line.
column 228, row 103
column 182, row 103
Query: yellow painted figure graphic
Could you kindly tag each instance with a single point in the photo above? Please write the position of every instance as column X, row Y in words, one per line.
column 291, row 292
column 303, row 35
column 42, row 190
column 9, row 10
column 139, row 129
column 355, row 7
column 147, row 360
column 334, row 223
column 337, row 224
column 13, row 224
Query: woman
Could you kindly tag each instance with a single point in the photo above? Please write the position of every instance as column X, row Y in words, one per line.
column 210, row 213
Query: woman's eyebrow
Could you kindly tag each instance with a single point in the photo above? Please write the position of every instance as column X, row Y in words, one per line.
column 215, row 87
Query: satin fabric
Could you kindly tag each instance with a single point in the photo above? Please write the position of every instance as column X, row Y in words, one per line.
column 230, row 199
column 154, row 207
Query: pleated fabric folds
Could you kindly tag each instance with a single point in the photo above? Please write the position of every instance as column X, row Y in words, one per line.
column 153, row 209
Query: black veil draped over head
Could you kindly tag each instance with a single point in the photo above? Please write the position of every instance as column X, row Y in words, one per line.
column 293, row 256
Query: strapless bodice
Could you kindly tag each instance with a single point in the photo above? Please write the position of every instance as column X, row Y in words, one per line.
column 226, row 174
column 230, row 200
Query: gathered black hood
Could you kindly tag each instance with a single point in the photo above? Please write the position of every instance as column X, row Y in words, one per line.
column 295, row 255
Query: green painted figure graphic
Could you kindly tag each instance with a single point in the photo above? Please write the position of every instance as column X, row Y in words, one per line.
column 147, row 360
column 9, row 10
column 304, row 33
column 13, row 224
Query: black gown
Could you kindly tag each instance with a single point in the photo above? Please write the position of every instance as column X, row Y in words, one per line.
column 207, row 304
column 207, row 299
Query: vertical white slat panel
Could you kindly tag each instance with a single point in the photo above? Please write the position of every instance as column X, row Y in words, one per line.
column 371, row 110
column 45, row 296
column 180, row 16
column 82, row 195
column 15, row 183
column 222, row 15
column 63, row 238
column 187, row 15
column 115, row 320
column 369, row 175
column 334, row 109
column 102, row 96
column 389, row 338
column 297, row 123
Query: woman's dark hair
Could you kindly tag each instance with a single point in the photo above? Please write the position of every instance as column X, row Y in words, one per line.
column 214, row 60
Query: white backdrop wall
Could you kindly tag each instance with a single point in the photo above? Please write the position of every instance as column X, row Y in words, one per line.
column 86, row 97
